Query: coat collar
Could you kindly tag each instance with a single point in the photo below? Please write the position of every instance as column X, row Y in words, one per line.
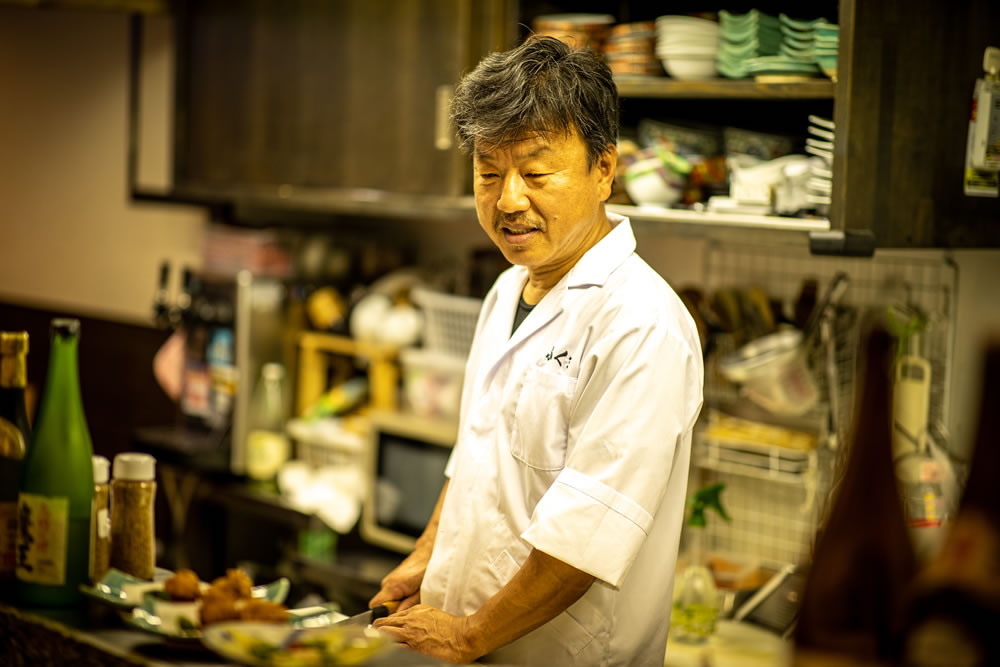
column 598, row 263
column 593, row 269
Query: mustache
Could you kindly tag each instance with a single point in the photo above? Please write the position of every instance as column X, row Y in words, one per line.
column 518, row 220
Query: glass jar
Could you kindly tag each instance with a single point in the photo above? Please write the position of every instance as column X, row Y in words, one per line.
column 133, row 491
column 100, row 521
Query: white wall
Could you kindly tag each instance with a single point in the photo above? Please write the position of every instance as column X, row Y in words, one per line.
column 69, row 236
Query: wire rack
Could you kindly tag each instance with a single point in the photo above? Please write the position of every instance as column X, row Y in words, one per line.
column 775, row 513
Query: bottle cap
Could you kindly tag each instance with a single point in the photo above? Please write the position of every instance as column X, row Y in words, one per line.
column 273, row 371
column 135, row 466
column 101, row 466
column 13, row 343
column 66, row 326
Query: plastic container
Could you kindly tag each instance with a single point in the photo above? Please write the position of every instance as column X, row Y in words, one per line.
column 432, row 382
column 773, row 373
column 449, row 321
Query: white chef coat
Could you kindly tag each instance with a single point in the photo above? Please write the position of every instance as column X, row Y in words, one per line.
column 575, row 439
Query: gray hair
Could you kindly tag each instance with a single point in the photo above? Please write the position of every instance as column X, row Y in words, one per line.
column 542, row 87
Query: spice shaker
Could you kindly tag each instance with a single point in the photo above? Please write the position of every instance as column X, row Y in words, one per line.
column 100, row 521
column 133, row 490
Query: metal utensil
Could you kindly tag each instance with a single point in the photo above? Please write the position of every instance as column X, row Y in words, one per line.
column 369, row 616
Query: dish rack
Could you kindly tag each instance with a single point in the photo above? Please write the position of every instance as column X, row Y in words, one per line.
column 449, row 320
column 777, row 495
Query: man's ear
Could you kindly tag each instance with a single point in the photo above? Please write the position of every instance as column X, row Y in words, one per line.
column 606, row 164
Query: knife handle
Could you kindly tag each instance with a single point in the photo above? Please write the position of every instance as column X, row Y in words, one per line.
column 384, row 609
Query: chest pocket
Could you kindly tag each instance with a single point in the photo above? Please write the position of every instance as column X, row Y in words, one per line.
column 541, row 419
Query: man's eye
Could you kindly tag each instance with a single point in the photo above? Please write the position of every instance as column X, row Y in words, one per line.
column 535, row 175
column 487, row 175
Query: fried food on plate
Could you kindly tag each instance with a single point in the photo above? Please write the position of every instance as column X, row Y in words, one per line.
column 236, row 583
column 263, row 611
column 218, row 606
column 184, row 585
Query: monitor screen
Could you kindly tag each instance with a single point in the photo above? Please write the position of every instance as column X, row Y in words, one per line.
column 410, row 474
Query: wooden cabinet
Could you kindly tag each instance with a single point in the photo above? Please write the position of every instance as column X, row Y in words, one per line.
column 903, row 103
column 274, row 98
column 341, row 107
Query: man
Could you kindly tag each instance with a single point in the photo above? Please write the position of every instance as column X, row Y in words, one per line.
column 555, row 538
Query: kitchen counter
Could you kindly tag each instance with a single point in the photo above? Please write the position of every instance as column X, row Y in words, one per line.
column 93, row 636
column 84, row 636
column 732, row 645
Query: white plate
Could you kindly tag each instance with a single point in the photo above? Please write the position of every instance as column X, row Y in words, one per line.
column 263, row 645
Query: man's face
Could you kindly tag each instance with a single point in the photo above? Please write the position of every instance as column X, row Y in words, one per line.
column 540, row 203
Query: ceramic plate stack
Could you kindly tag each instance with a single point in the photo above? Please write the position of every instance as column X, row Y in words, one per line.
column 820, row 144
column 687, row 46
column 745, row 36
column 795, row 59
column 825, row 50
column 577, row 30
column 631, row 49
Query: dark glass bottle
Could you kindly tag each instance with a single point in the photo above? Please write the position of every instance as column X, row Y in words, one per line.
column 953, row 611
column 57, row 488
column 863, row 560
column 15, row 433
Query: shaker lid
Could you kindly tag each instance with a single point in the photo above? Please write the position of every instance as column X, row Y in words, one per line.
column 101, row 466
column 134, row 466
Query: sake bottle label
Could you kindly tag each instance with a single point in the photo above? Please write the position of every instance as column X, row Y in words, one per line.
column 8, row 537
column 41, row 539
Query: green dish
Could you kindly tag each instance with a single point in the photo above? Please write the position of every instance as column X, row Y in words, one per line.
column 179, row 621
column 754, row 17
column 800, row 25
column 122, row 590
column 189, row 633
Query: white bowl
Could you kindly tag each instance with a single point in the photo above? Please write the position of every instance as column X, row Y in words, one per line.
column 692, row 22
column 688, row 68
column 646, row 186
column 686, row 51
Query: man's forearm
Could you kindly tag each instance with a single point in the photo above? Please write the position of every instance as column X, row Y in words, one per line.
column 541, row 590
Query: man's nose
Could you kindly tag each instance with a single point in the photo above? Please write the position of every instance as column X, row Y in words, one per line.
column 513, row 197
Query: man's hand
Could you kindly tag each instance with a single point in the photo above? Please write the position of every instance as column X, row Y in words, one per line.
column 431, row 632
column 403, row 583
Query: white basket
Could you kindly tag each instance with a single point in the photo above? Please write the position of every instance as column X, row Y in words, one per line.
column 449, row 321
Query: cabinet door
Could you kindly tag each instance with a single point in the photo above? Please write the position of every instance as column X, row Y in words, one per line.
column 320, row 94
column 903, row 100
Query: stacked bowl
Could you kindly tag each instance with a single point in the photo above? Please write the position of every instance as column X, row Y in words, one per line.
column 577, row 30
column 631, row 49
column 825, row 51
column 687, row 46
column 745, row 36
column 795, row 58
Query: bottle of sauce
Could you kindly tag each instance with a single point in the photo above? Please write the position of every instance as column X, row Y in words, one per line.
column 953, row 609
column 53, row 535
column 267, row 445
column 852, row 605
column 15, row 432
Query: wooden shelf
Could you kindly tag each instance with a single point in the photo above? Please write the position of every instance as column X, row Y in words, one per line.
column 663, row 87
column 742, row 220
column 314, row 351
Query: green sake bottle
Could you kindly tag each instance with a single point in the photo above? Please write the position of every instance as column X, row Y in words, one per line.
column 57, row 487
